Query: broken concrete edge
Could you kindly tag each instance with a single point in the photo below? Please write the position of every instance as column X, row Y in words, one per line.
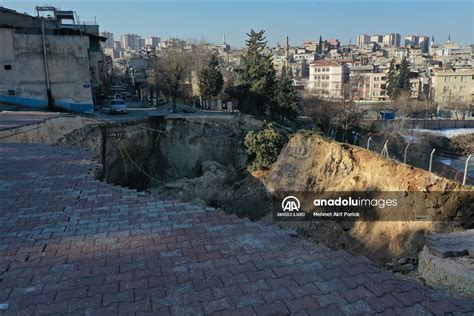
column 446, row 273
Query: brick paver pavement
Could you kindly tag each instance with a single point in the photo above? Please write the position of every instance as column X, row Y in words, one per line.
column 10, row 119
column 72, row 244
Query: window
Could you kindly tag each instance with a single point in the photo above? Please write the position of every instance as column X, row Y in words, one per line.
column 7, row 67
column 462, row 88
column 446, row 79
column 445, row 89
column 445, row 98
column 461, row 98
column 376, row 85
column 463, row 78
column 376, row 78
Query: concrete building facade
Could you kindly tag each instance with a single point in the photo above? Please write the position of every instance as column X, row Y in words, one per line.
column 392, row 39
column 452, row 85
column 23, row 77
column 109, row 43
column 363, row 40
column 69, row 64
column 130, row 41
column 327, row 78
column 152, row 41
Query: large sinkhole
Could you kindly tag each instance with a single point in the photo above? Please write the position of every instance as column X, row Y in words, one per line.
column 196, row 158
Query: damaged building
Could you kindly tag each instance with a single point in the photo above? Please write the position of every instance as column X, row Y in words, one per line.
column 50, row 61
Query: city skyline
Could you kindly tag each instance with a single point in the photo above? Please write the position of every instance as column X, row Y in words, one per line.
column 342, row 20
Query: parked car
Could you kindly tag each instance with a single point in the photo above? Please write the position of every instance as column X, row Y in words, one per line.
column 118, row 97
column 118, row 106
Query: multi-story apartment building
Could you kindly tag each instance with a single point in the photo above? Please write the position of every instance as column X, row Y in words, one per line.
column 152, row 41
column 452, row 85
column 392, row 39
column 412, row 40
column 328, row 78
column 376, row 39
column 109, row 43
column 451, row 52
column 420, row 41
column 363, row 40
column 130, row 41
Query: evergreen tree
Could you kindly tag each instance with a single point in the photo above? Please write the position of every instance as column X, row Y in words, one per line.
column 285, row 103
column 398, row 81
column 319, row 49
column 404, row 76
column 393, row 88
column 257, row 74
column 211, row 80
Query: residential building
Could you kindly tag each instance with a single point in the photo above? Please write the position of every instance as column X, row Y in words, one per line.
column 130, row 41
column 412, row 40
column 452, row 85
column 424, row 43
column 363, row 40
column 65, row 71
column 452, row 52
column 153, row 41
column 109, row 43
column 327, row 78
column 392, row 39
column 359, row 82
column 376, row 39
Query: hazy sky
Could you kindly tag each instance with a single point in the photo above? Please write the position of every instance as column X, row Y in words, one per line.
column 301, row 21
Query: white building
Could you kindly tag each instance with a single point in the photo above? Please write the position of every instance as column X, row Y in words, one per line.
column 363, row 40
column 327, row 78
column 152, row 41
column 376, row 39
column 130, row 41
column 392, row 39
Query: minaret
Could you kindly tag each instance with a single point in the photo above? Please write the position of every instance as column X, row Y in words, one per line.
column 223, row 38
column 449, row 38
column 287, row 54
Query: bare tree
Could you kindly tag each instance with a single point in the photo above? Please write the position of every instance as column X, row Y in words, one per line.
column 460, row 109
column 348, row 115
column 406, row 104
column 320, row 112
column 173, row 70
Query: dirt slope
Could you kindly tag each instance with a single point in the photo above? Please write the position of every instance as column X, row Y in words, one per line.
column 315, row 164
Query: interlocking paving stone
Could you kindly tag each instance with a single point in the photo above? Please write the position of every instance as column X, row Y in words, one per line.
column 70, row 244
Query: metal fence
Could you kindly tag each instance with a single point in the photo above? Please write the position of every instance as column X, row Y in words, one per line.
column 440, row 161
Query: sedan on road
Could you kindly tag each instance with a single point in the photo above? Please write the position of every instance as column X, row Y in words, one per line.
column 118, row 106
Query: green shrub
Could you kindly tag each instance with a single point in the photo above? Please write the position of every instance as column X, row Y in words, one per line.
column 264, row 146
column 309, row 132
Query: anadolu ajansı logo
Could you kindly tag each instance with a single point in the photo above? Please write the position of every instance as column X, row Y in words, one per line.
column 290, row 204
column 290, row 207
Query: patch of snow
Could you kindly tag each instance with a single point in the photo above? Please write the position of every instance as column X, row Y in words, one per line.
column 448, row 133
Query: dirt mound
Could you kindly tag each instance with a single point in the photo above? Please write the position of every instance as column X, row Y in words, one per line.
column 315, row 164
column 220, row 186
column 463, row 144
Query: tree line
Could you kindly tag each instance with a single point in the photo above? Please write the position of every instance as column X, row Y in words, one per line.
column 257, row 88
